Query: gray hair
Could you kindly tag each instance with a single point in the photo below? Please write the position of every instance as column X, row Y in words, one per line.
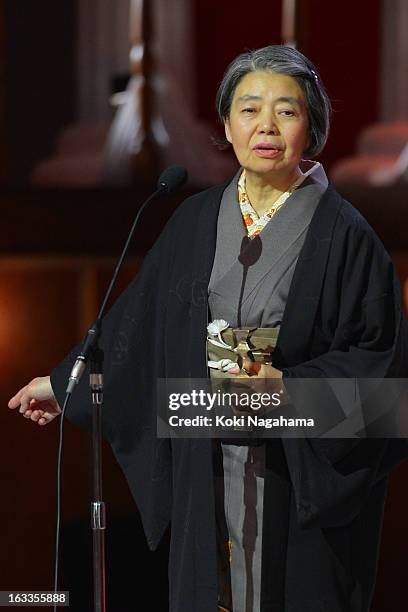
column 282, row 60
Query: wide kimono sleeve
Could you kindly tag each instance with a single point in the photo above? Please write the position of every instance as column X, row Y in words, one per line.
column 360, row 311
column 359, row 332
column 131, row 339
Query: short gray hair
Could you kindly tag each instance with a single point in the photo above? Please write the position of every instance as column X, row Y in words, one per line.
column 282, row 60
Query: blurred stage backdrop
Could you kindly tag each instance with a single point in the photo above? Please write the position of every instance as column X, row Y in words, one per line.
column 96, row 98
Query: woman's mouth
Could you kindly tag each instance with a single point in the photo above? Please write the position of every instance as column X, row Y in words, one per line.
column 267, row 150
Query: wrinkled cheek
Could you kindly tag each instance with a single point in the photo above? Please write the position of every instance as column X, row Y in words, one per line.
column 294, row 156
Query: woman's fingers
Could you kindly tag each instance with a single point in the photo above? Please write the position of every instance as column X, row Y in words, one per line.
column 36, row 401
column 39, row 389
column 46, row 418
column 26, row 402
column 251, row 367
column 254, row 368
column 16, row 399
column 42, row 417
column 247, row 368
column 39, row 416
column 36, row 415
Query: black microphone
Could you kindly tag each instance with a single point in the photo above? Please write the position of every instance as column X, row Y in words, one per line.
column 251, row 251
column 170, row 179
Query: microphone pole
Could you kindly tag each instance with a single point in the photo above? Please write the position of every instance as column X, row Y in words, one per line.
column 172, row 178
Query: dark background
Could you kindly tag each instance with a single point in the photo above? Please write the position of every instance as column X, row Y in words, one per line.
column 57, row 253
column 342, row 38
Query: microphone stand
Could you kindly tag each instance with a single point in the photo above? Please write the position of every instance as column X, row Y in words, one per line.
column 91, row 350
column 98, row 511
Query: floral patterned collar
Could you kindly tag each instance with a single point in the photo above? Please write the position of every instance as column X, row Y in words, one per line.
column 252, row 221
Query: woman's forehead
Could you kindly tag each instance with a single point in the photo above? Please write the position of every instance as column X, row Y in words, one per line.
column 272, row 85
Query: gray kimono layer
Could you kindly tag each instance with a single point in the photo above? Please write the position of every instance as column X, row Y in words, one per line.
column 270, row 270
column 254, row 297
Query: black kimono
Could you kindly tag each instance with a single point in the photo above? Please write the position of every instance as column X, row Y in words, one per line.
column 323, row 499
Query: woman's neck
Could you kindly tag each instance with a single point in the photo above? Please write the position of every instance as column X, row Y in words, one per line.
column 264, row 191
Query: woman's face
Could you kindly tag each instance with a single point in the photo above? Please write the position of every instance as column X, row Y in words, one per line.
column 268, row 125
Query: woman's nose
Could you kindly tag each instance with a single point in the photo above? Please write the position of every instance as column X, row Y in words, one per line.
column 267, row 125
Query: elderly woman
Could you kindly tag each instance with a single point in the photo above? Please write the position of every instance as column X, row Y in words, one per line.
column 291, row 524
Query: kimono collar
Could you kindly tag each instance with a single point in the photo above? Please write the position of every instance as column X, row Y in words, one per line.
column 255, row 223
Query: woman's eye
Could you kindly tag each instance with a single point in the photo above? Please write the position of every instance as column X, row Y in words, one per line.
column 248, row 110
column 287, row 113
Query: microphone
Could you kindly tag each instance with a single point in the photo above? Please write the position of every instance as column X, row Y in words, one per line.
column 250, row 252
column 170, row 179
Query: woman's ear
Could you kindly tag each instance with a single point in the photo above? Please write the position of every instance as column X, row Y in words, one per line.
column 227, row 131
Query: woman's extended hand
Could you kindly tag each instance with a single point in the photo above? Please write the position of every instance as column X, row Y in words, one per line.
column 259, row 369
column 36, row 401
